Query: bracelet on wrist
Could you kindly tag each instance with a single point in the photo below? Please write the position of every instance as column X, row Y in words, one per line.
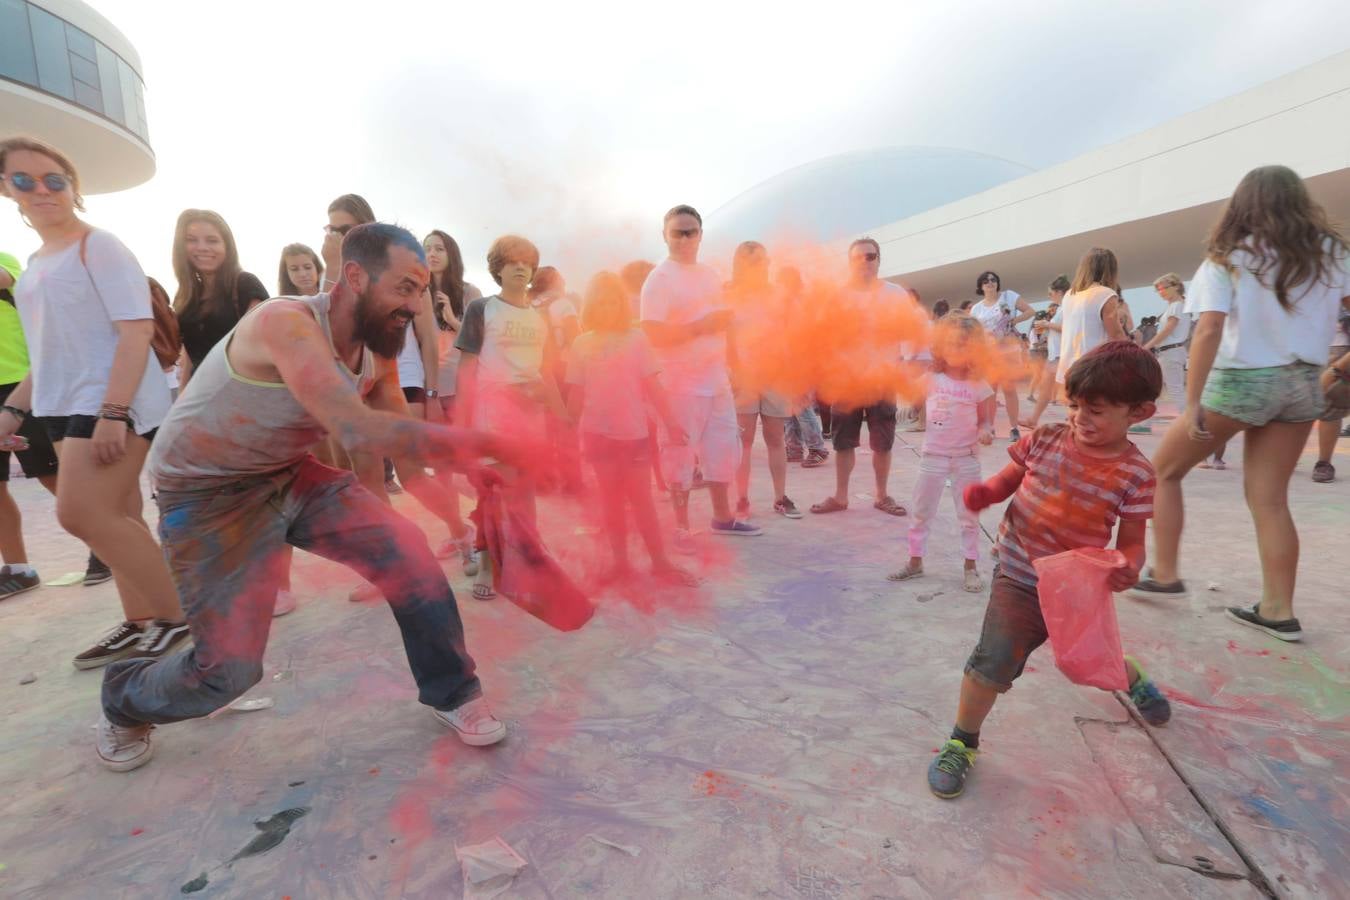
column 14, row 411
column 118, row 417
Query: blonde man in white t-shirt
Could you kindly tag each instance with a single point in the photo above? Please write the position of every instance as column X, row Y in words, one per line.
column 1170, row 343
column 684, row 317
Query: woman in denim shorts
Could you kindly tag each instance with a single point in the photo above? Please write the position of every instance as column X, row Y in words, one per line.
column 1267, row 298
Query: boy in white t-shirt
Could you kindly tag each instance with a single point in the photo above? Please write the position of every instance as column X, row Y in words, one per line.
column 961, row 411
column 683, row 315
column 505, row 383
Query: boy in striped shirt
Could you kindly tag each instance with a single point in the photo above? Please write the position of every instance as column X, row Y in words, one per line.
column 1070, row 483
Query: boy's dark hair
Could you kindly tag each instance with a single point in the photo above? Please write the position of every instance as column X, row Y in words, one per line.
column 1061, row 284
column 684, row 209
column 1115, row 372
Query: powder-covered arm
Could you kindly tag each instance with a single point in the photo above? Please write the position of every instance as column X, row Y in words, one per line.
column 995, row 489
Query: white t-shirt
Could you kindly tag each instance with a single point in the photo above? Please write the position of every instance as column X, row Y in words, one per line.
column 1177, row 310
column 953, row 415
column 71, row 333
column 1258, row 333
column 610, row 369
column 888, row 306
column 508, row 340
column 1083, row 326
column 1052, row 337
column 992, row 316
column 411, row 372
column 678, row 294
column 558, row 312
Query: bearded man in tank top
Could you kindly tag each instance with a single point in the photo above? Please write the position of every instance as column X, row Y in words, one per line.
column 236, row 484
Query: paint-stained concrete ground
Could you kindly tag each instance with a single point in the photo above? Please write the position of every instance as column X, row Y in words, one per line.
column 764, row 737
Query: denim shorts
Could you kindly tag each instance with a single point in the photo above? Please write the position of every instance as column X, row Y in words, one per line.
column 1013, row 628
column 1258, row 397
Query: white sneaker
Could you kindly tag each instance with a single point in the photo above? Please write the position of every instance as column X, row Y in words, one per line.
column 973, row 582
column 123, row 749
column 473, row 722
column 285, row 604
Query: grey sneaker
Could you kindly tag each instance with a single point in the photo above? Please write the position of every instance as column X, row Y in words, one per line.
column 123, row 749
column 1149, row 589
column 12, row 582
column 473, row 722
column 1324, row 473
column 785, row 507
column 947, row 774
column 735, row 528
column 96, row 572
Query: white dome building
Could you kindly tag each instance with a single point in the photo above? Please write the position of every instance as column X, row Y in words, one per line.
column 845, row 195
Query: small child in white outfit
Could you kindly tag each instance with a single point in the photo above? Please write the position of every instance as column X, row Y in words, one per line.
column 960, row 415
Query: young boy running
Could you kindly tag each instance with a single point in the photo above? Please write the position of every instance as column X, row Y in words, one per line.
column 1069, row 483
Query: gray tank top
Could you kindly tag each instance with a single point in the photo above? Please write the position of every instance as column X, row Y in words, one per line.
column 225, row 426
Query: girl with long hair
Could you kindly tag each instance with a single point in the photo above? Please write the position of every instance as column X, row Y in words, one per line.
column 97, row 387
column 1090, row 313
column 300, row 273
column 449, row 295
column 214, row 291
column 612, row 372
column 1000, row 312
column 1268, row 295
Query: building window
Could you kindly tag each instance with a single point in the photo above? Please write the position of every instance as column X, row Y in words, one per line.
column 42, row 51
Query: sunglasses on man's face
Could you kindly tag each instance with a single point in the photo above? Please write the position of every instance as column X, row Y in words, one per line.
column 685, row 232
column 993, row 281
column 26, row 184
column 870, row 257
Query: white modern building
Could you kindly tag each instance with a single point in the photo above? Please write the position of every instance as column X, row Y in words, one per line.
column 943, row 215
column 70, row 78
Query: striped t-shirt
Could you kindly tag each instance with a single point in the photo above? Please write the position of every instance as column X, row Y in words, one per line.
column 1067, row 499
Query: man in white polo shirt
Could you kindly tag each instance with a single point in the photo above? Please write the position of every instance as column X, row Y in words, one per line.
column 684, row 317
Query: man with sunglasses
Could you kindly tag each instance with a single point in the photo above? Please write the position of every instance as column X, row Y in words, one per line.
column 684, row 317
column 882, row 302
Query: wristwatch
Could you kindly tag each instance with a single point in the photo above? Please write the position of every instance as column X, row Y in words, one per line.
column 432, row 393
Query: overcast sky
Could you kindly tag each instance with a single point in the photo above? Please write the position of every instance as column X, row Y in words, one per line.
column 578, row 124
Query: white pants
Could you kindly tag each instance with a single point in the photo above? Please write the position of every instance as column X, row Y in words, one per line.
column 933, row 474
column 1173, row 363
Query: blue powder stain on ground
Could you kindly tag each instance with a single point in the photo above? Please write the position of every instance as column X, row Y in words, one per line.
column 1269, row 811
column 807, row 600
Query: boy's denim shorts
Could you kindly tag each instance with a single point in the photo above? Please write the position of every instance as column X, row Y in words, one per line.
column 1013, row 628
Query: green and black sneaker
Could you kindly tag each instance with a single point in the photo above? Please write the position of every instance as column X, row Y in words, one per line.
column 947, row 774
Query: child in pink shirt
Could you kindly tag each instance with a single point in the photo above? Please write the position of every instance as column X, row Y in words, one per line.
column 960, row 414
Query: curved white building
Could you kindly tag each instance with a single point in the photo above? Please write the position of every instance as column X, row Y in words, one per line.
column 70, row 78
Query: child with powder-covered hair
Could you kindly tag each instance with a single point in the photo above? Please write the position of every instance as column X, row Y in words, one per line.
column 612, row 371
column 1070, row 483
column 960, row 414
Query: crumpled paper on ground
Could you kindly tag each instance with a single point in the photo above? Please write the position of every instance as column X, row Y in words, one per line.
column 489, row 868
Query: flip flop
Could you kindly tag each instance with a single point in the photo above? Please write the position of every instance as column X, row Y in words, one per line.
column 890, row 507
column 905, row 574
column 483, row 592
column 828, row 505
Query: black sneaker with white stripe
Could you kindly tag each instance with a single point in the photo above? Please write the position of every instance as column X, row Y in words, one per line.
column 161, row 638
column 12, row 582
column 96, row 572
column 119, row 643
column 1284, row 629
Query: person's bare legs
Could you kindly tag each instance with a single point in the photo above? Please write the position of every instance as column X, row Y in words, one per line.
column 775, row 443
column 719, row 493
column 843, row 470
column 1045, row 392
column 1177, row 455
column 746, row 423
column 977, row 699
column 610, row 481
column 93, row 504
column 1010, row 401
column 881, row 471
column 1269, row 455
column 1327, row 435
column 637, row 488
column 12, row 547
